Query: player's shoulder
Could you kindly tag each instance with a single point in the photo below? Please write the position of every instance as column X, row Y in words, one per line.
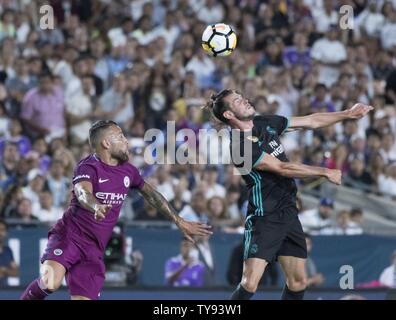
column 91, row 160
column 129, row 166
column 266, row 118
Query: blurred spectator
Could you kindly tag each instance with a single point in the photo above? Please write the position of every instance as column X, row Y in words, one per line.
column 185, row 270
column 14, row 135
column 165, row 186
column 388, row 275
column 357, row 219
column 149, row 213
column 314, row 220
column 24, row 212
column 8, row 266
column 218, row 212
column 314, row 278
column 329, row 52
column 344, row 226
column 212, row 187
column 358, row 177
column 325, row 16
column 36, row 184
column 8, row 164
column 197, row 210
column 58, row 184
column 43, row 109
column 387, row 181
column 320, row 103
column 299, row 54
column 79, row 112
column 46, row 211
column 10, row 202
column 116, row 103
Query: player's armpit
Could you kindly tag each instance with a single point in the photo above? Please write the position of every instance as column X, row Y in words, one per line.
column 269, row 163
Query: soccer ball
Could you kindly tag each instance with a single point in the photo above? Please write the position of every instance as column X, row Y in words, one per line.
column 219, row 40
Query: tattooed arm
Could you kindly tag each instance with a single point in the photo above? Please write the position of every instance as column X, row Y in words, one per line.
column 157, row 200
column 83, row 191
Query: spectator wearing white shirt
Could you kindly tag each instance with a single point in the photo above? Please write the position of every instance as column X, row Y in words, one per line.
column 202, row 66
column 211, row 12
column 116, row 103
column 388, row 32
column 196, row 211
column 212, row 188
column 165, row 186
column 169, row 31
column 47, row 212
column 36, row 182
column 314, row 220
column 370, row 21
column 388, row 148
column 344, row 226
column 325, row 16
column 58, row 184
column 387, row 181
column 388, row 276
column 329, row 53
column 79, row 110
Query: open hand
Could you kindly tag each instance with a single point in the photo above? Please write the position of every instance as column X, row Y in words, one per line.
column 191, row 229
column 101, row 210
column 358, row 111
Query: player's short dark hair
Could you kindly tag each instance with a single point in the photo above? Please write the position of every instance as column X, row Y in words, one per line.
column 217, row 105
column 96, row 130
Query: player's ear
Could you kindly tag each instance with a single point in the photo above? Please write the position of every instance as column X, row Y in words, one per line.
column 105, row 143
column 228, row 114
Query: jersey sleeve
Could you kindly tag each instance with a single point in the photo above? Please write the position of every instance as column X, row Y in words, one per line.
column 279, row 123
column 84, row 172
column 137, row 180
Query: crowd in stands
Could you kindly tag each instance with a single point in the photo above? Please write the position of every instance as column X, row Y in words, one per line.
column 140, row 63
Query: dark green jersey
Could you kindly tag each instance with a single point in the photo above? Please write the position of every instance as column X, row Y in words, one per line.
column 268, row 191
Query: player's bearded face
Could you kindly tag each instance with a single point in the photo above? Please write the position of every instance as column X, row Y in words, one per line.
column 245, row 114
column 241, row 108
column 120, row 154
column 119, row 148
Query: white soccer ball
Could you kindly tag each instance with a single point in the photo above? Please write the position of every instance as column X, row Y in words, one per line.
column 219, row 40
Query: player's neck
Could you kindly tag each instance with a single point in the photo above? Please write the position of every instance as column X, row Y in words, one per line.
column 243, row 125
column 106, row 158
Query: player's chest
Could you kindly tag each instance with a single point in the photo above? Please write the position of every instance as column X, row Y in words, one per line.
column 269, row 142
column 111, row 188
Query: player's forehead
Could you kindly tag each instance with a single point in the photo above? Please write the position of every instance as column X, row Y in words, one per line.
column 234, row 96
column 114, row 130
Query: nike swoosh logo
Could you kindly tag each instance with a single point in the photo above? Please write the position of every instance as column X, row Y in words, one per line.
column 103, row 180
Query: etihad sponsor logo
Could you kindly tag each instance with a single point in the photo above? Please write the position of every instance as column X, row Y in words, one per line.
column 110, row 197
column 82, row 176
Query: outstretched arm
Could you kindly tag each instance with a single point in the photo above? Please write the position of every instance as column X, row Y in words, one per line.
column 319, row 120
column 297, row 170
column 158, row 201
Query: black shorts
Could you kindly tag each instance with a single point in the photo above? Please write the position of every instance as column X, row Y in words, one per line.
column 276, row 234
